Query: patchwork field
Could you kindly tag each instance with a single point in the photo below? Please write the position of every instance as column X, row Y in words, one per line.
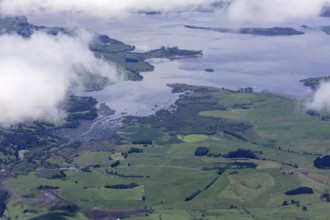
column 259, row 147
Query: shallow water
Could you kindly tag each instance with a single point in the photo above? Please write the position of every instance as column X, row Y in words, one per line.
column 273, row 63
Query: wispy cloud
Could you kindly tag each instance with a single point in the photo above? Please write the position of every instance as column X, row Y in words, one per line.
column 99, row 8
column 321, row 98
column 36, row 74
column 239, row 10
column 274, row 11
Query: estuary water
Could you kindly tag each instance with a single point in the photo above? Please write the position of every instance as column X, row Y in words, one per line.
column 275, row 64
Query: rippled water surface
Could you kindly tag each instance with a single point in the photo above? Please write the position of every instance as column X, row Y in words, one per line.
column 273, row 63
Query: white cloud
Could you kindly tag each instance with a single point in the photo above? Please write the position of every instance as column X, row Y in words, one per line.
column 274, row 11
column 99, row 8
column 256, row 11
column 321, row 99
column 36, row 73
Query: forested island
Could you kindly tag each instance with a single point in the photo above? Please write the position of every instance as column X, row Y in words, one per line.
column 102, row 46
column 274, row 31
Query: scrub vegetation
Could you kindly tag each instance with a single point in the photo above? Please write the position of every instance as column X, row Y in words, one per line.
column 214, row 154
column 247, row 161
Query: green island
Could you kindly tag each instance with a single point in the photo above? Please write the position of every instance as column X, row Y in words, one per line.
column 274, row 31
column 214, row 154
column 133, row 63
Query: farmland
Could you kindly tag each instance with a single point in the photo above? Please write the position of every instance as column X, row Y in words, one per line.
column 171, row 183
column 214, row 154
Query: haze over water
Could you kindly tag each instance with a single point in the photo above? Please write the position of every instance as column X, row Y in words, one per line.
column 272, row 63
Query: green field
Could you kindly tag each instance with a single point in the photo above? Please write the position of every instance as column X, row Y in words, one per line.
column 215, row 154
column 172, row 183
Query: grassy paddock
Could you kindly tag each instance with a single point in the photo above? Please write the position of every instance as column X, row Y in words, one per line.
column 283, row 136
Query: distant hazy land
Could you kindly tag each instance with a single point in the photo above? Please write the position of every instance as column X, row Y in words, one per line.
column 274, row 31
